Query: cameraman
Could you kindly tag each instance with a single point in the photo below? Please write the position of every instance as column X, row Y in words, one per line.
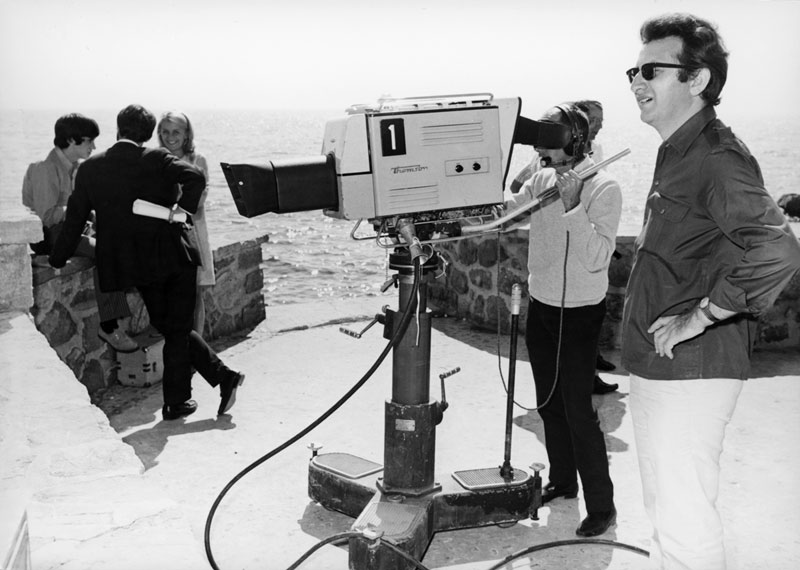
column 571, row 244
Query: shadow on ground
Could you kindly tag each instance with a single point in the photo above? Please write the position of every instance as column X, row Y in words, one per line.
column 150, row 442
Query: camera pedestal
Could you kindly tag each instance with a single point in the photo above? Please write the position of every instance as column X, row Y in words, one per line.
column 403, row 502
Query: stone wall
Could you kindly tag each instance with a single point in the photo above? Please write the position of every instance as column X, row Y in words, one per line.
column 482, row 270
column 18, row 228
column 64, row 309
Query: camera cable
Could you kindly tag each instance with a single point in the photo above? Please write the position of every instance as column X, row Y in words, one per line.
column 405, row 320
column 560, row 332
column 341, row 538
column 557, row 543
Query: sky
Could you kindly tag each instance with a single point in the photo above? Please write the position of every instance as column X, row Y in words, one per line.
column 79, row 55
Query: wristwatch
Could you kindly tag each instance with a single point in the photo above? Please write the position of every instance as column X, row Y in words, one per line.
column 704, row 302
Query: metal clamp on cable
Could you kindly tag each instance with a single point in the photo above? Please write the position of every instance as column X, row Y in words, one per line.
column 373, row 536
column 405, row 227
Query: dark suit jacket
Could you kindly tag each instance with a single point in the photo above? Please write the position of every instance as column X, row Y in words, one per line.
column 131, row 249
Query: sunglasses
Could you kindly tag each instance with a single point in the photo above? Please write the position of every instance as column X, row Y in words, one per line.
column 649, row 70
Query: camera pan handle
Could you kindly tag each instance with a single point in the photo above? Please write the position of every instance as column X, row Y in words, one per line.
column 408, row 101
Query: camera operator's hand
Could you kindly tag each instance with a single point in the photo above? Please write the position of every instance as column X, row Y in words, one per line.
column 672, row 330
column 569, row 187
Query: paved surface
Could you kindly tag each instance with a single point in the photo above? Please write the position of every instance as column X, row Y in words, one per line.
column 297, row 366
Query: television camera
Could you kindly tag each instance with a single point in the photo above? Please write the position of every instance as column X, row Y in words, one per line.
column 434, row 162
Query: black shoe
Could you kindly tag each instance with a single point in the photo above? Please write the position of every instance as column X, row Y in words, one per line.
column 118, row 340
column 551, row 492
column 227, row 392
column 601, row 387
column 604, row 365
column 175, row 411
column 597, row 523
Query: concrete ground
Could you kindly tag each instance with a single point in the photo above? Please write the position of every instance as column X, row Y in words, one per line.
column 126, row 490
column 298, row 364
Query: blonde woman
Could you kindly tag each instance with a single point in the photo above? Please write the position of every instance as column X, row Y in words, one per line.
column 175, row 134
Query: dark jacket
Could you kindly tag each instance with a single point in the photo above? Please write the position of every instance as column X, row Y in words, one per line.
column 131, row 249
column 711, row 229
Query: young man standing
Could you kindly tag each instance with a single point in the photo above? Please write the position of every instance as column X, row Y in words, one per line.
column 715, row 252
column 153, row 255
column 571, row 243
column 45, row 190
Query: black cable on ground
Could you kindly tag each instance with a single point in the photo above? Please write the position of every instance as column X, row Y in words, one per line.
column 398, row 335
column 343, row 537
column 574, row 541
column 560, row 333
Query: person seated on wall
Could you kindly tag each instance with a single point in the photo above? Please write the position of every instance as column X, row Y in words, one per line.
column 46, row 188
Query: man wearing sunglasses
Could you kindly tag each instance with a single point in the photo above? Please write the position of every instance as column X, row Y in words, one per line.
column 715, row 252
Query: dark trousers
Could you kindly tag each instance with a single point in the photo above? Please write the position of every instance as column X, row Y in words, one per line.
column 575, row 445
column 170, row 304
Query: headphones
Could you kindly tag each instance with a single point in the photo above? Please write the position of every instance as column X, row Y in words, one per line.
column 579, row 127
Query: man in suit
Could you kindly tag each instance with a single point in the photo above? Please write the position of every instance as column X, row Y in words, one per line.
column 153, row 255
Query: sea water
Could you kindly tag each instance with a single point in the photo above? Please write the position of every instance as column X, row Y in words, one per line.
column 310, row 256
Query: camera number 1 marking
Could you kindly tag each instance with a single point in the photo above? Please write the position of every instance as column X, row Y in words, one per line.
column 393, row 137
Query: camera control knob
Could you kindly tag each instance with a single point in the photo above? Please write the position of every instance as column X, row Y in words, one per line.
column 459, row 168
column 476, row 166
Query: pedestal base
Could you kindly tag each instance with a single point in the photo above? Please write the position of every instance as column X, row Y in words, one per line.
column 350, row 485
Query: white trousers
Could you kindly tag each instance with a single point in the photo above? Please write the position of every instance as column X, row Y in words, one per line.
column 678, row 427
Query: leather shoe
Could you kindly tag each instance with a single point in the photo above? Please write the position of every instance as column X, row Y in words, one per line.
column 227, row 392
column 604, row 365
column 601, row 387
column 118, row 340
column 552, row 491
column 597, row 523
column 175, row 411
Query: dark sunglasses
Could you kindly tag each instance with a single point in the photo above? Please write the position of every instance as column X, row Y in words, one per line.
column 649, row 70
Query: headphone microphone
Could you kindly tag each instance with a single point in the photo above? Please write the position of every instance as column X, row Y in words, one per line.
column 579, row 127
column 547, row 162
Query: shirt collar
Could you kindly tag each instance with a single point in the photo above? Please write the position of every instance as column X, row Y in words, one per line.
column 691, row 129
column 62, row 158
column 128, row 141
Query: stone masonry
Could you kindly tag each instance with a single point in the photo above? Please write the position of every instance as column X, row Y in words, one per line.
column 481, row 271
column 65, row 311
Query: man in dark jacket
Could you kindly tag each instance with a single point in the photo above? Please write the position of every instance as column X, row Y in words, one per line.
column 156, row 256
column 715, row 252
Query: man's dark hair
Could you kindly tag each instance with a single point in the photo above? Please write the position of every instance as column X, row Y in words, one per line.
column 136, row 123
column 702, row 47
column 74, row 126
column 586, row 105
